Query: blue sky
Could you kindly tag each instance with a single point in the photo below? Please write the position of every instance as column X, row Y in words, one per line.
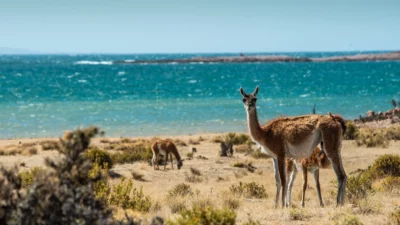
column 151, row 26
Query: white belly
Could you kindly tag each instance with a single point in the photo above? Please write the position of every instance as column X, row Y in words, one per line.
column 161, row 151
column 304, row 148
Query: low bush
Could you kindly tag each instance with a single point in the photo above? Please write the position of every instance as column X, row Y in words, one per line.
column 298, row 214
column 257, row 154
column 246, row 164
column 391, row 184
column 207, row 215
column 349, row 220
column 394, row 217
column 180, row 190
column 28, row 176
column 372, row 138
column 127, row 197
column 132, row 154
column 385, row 165
column 352, row 131
column 63, row 195
column 101, row 157
column 249, row 190
column 50, row 145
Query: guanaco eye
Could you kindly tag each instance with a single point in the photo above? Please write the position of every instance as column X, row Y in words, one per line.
column 244, row 100
column 254, row 100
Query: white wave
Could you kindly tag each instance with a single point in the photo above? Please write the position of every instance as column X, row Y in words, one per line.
column 86, row 62
column 82, row 81
column 304, row 95
column 120, row 73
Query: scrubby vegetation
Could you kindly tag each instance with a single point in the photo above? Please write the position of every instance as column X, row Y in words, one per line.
column 249, row 190
column 298, row 214
column 27, row 176
column 234, row 138
column 349, row 220
column 194, row 176
column 66, row 188
column 180, row 190
column 128, row 197
column 394, row 217
column 50, row 145
column 207, row 215
column 352, row 131
column 246, row 164
column 101, row 157
column 378, row 137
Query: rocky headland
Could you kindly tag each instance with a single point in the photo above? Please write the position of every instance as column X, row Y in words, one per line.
column 391, row 56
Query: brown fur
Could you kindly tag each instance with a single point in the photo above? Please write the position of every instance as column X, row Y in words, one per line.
column 278, row 133
column 312, row 164
column 169, row 147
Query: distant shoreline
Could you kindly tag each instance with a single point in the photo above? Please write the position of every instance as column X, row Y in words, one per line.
column 391, row 56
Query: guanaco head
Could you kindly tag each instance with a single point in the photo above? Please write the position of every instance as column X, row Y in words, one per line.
column 249, row 100
column 180, row 164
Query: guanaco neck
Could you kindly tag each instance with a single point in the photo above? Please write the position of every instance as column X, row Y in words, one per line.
column 176, row 154
column 255, row 130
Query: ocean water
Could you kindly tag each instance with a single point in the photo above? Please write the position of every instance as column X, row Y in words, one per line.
column 43, row 95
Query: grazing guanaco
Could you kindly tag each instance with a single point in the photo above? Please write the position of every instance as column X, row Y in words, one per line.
column 165, row 147
column 296, row 138
column 312, row 164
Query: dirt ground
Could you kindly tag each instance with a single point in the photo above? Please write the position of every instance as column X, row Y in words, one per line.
column 218, row 175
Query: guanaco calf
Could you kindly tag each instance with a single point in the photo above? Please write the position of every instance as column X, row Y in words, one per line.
column 310, row 164
column 165, row 147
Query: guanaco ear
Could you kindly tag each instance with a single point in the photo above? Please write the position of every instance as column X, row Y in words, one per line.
column 243, row 93
column 255, row 92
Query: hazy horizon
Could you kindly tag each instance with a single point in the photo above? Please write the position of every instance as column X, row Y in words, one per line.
column 177, row 26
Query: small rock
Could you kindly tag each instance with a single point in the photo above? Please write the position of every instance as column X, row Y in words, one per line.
column 395, row 119
column 370, row 114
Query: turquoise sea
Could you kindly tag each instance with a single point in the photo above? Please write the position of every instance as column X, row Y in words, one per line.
column 43, row 95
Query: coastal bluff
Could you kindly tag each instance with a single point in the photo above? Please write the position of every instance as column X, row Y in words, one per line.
column 391, row 56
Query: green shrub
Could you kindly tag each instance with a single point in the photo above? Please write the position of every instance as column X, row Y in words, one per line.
column 237, row 139
column 101, row 157
column 190, row 155
column 358, row 187
column 386, row 165
column 394, row 217
column 391, row 184
column 206, row 215
column 63, row 195
column 393, row 133
column 132, row 153
column 352, row 131
column 372, row 138
column 180, row 190
column 28, row 176
column 125, row 196
column 249, row 190
column 257, row 154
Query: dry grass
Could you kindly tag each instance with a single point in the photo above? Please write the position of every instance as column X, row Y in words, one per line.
column 218, row 175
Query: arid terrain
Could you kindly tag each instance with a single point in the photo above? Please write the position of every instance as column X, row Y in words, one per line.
column 217, row 174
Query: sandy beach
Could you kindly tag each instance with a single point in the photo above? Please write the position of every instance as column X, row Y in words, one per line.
column 218, row 174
